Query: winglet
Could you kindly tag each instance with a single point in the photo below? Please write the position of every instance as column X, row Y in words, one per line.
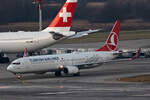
column 137, row 54
column 25, row 52
column 84, row 33
column 113, row 39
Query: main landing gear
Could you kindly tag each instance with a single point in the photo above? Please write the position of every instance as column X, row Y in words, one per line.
column 58, row 73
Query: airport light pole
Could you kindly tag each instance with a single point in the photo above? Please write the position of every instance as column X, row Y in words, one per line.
column 40, row 3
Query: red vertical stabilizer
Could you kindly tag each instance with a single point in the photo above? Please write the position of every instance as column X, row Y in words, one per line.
column 113, row 39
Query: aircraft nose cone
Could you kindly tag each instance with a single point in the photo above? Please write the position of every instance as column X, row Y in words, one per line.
column 10, row 68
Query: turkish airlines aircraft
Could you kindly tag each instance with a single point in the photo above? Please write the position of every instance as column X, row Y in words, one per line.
column 68, row 63
column 59, row 29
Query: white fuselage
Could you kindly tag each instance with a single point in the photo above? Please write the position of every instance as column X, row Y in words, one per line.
column 49, row 63
column 13, row 42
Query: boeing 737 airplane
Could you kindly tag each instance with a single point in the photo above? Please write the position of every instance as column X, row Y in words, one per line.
column 69, row 64
column 59, row 29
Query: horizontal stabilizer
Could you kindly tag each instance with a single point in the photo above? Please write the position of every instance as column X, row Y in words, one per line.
column 84, row 33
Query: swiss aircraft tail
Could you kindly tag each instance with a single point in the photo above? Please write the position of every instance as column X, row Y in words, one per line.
column 113, row 39
column 63, row 20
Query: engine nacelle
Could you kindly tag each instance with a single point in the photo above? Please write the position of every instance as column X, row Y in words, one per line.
column 71, row 70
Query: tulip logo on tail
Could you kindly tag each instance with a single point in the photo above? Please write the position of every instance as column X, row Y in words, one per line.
column 112, row 42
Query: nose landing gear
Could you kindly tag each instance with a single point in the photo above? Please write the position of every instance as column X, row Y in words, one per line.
column 18, row 76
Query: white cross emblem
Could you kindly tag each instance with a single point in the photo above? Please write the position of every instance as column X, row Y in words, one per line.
column 65, row 14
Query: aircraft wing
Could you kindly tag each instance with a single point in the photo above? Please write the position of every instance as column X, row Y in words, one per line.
column 117, row 60
column 84, row 33
column 120, row 60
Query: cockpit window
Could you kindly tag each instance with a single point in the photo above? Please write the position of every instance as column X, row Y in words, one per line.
column 16, row 63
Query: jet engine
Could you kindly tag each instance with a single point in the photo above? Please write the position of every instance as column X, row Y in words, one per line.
column 71, row 70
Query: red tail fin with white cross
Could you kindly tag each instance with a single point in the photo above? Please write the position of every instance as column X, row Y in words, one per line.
column 63, row 20
column 113, row 39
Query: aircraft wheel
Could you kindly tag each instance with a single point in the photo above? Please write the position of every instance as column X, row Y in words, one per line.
column 18, row 76
column 58, row 73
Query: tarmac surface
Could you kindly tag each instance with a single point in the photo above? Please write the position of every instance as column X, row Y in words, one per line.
column 94, row 84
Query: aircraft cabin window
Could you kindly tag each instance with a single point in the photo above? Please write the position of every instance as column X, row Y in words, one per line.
column 16, row 63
